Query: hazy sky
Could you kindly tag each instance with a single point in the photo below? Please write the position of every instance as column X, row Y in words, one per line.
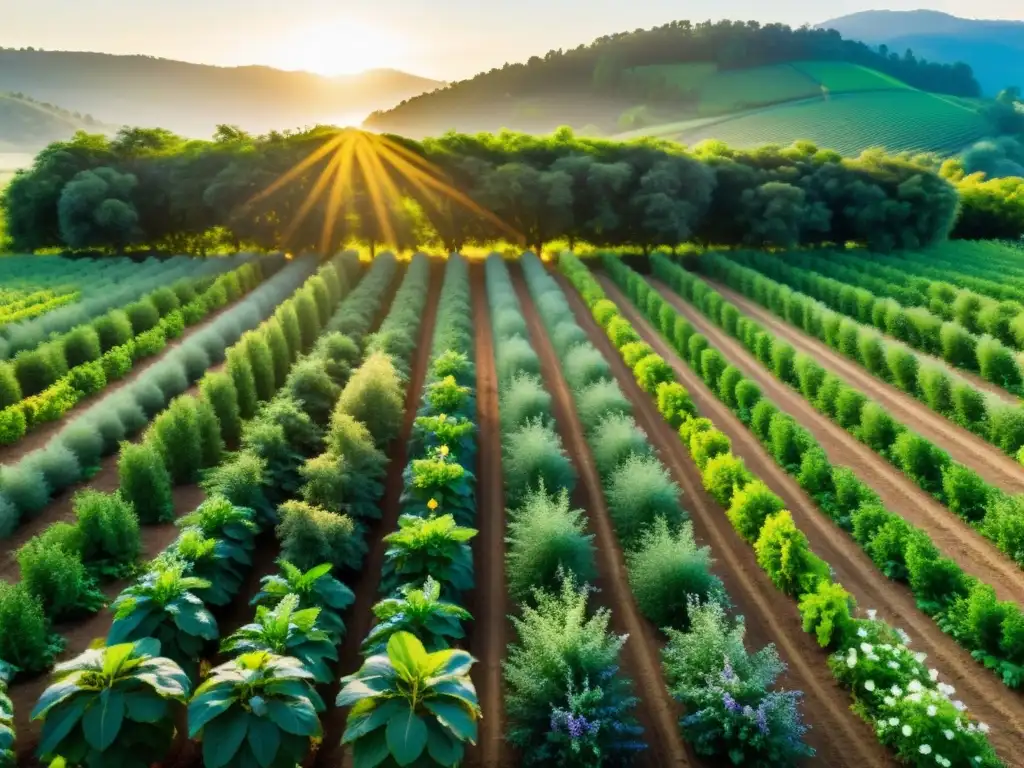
column 446, row 39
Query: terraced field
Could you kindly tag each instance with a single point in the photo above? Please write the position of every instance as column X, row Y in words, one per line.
column 443, row 512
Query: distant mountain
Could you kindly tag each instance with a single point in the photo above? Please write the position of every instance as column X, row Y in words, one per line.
column 192, row 99
column 29, row 125
column 993, row 48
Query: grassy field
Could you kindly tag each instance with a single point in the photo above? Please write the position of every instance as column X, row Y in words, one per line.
column 848, row 123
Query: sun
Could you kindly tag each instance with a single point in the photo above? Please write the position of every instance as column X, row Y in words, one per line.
column 339, row 47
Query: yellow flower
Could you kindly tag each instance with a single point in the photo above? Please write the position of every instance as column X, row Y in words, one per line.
column 444, row 450
column 432, row 505
column 443, row 416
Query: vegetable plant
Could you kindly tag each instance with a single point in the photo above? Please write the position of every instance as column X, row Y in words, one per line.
column 6, row 719
column 423, row 547
column 162, row 605
column 410, row 704
column 257, row 709
column 287, row 630
column 218, row 562
column 315, row 588
column 421, row 612
column 219, row 518
column 441, row 478
column 112, row 706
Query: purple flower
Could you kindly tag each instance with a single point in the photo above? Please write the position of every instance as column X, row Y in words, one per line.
column 730, row 703
column 762, row 719
column 727, row 674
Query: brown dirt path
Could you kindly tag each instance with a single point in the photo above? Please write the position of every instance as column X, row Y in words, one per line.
column 657, row 712
column 80, row 635
column 41, row 435
column 838, row 736
column 360, row 616
column 963, row 445
column 975, row 554
column 984, row 694
column 489, row 601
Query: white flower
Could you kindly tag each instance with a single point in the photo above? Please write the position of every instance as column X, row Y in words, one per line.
column 920, row 657
column 894, row 721
column 896, row 690
column 933, row 674
column 893, row 665
column 903, row 635
column 866, row 647
column 948, row 734
column 960, row 706
column 872, row 613
column 914, row 697
column 914, row 686
column 907, row 730
column 851, row 661
column 942, row 761
column 932, row 710
column 869, row 685
column 983, row 727
column 890, row 700
column 862, row 632
column 946, row 689
column 925, row 749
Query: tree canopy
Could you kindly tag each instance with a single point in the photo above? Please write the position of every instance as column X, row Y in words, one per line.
column 147, row 189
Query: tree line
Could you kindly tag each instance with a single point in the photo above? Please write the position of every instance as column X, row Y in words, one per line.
column 150, row 190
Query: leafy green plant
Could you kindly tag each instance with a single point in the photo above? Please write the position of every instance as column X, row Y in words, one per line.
column 408, row 702
column 422, row 613
column 638, row 492
column 315, row 588
column 25, row 638
column 162, row 605
column 533, row 455
column 145, row 482
column 59, row 579
column 310, row 535
column 440, row 478
column 219, row 562
column 7, row 758
column 827, row 613
column 374, row 396
column 435, row 547
column 287, row 630
column 257, row 709
column 457, row 432
column 112, row 706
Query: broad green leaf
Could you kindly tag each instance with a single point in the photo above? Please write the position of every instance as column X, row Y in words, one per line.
column 357, row 690
column 223, row 736
column 360, row 725
column 53, row 695
column 103, row 719
column 264, row 740
column 206, row 706
column 451, row 662
column 455, row 718
column 114, row 656
column 297, row 716
column 59, row 723
column 406, row 651
column 196, row 621
column 144, row 707
column 443, row 748
column 258, row 705
column 371, row 750
column 407, row 736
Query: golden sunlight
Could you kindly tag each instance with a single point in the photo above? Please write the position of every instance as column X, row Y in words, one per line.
column 338, row 47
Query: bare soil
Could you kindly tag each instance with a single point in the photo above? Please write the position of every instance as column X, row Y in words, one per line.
column 489, row 601
column 657, row 712
column 975, row 554
column 984, row 694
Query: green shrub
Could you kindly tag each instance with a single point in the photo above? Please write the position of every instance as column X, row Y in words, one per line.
column 827, row 613
column 143, row 315
column 149, row 343
column 314, row 390
column 694, row 426
column 567, row 335
column 786, row 440
column 828, row 394
column 712, row 365
column 697, row 344
column 783, row 361
column 614, row 439
column 997, row 363
column 59, row 580
column 81, row 345
column 24, row 634
column 508, row 322
column 723, row 476
column 785, row 554
column 282, row 357
column 1006, row 428
column 668, row 571
column 547, row 538
column 621, row 332
column 936, row 388
column 165, row 301
column 603, row 311
column 108, row 531
column 36, row 369
column 751, row 505
column 309, row 318
column 515, row 355
column 57, row 464
column 145, row 482
column 902, row 367
column 871, row 352
column 958, row 346
column 13, row 425
column 727, row 382
column 255, row 347
column 877, row 428
column 173, row 325
column 761, row 418
column 600, row 401
column 921, row 460
column 10, row 390
column 522, row 400
column 117, row 362
column 87, row 379
column 968, row 405
column 218, row 390
column 533, row 455
column 652, row 372
column 763, row 344
column 1004, row 524
column 177, row 435
column 748, row 395
column 114, row 329
column 634, row 352
column 815, row 477
column 25, row 486
column 681, row 333
column 240, row 371
column 374, row 395
column 209, row 430
column 310, row 536
column 674, row 403
column 289, row 321
column 849, row 404
column 706, row 445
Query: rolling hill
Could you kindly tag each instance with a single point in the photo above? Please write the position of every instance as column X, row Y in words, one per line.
column 192, row 99
column 993, row 48
column 27, row 125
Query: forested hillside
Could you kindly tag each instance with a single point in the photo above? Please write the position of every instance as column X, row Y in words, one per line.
column 29, row 125
column 602, row 79
column 193, row 99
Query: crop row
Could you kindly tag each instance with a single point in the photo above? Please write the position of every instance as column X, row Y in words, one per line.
column 911, row 712
column 60, row 566
column 62, row 372
column 917, row 327
column 669, row 574
column 16, row 306
column 298, row 621
column 115, row 285
column 412, row 700
column 998, row 423
column 988, row 268
column 74, row 453
column 960, row 604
